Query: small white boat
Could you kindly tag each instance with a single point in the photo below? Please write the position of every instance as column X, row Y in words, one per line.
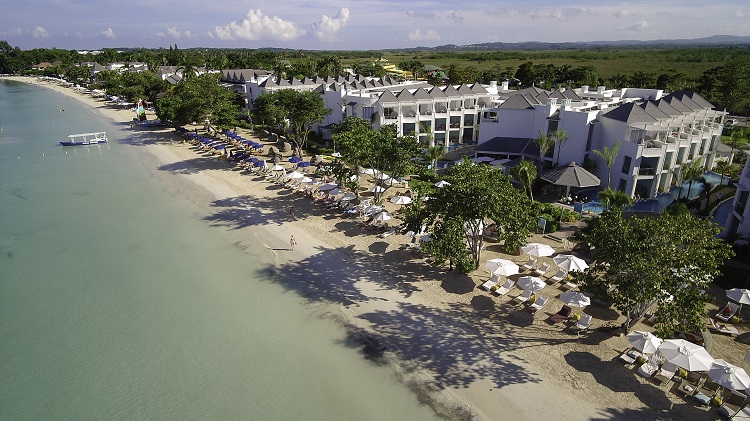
column 85, row 139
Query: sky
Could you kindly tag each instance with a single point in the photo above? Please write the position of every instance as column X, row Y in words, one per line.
column 357, row 24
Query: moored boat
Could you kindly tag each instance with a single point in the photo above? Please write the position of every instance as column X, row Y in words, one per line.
column 82, row 139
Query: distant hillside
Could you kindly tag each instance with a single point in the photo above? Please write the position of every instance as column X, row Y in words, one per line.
column 712, row 41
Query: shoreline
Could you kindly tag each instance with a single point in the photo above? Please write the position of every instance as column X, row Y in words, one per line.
column 466, row 354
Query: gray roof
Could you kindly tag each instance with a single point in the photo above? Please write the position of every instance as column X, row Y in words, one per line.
column 571, row 175
column 629, row 113
column 509, row 145
column 465, row 89
column 387, row 97
column 571, row 94
column 654, row 111
column 666, row 108
column 422, row 95
column 451, row 91
column 677, row 105
column 478, row 89
column 517, row 102
column 693, row 97
column 437, row 93
column 405, row 96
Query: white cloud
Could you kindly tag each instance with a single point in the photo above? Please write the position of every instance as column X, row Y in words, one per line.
column 421, row 15
column 641, row 26
column 257, row 26
column 739, row 14
column 160, row 34
column 173, row 32
column 39, row 32
column 560, row 14
column 17, row 31
column 430, row 35
column 626, row 13
column 108, row 33
column 456, row 17
column 327, row 28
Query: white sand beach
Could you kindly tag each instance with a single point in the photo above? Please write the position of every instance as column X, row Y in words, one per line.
column 467, row 353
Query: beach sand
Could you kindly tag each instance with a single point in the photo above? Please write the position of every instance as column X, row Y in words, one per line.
column 466, row 353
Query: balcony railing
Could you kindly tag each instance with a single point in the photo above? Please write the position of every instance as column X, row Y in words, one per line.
column 646, row 171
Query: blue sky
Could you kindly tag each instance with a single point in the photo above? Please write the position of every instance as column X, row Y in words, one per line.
column 356, row 24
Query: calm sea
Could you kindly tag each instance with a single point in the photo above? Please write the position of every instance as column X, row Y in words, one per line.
column 119, row 301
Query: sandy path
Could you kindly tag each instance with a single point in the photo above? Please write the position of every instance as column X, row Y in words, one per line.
column 466, row 353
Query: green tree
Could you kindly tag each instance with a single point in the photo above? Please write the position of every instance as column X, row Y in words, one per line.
column 723, row 166
column 199, row 99
column 356, row 141
column 560, row 138
column 302, row 109
column 525, row 173
column 544, row 143
column 690, row 173
column 447, row 244
column 617, row 199
column 477, row 193
column 435, row 154
column 416, row 67
column 608, row 155
column 669, row 260
column 738, row 139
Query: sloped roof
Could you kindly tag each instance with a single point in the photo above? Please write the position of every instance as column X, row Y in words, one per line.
column 437, row 93
column 694, row 97
column 387, row 97
column 571, row 94
column 533, row 90
column 450, row 91
column 421, row 95
column 465, row 89
column 654, row 111
column 571, row 175
column 516, row 102
column 541, row 98
column 666, row 108
column 269, row 83
column 478, row 89
column 509, row 145
column 686, row 101
column 629, row 113
column 405, row 96
column 557, row 94
column 677, row 105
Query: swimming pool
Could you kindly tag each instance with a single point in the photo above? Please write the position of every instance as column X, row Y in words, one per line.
column 721, row 212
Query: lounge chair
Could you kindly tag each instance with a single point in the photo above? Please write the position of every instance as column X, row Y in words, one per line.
column 666, row 372
column 531, row 264
column 689, row 385
column 630, row 356
column 539, row 304
column 523, row 296
column 558, row 276
column 561, row 315
column 541, row 270
column 492, row 282
column 387, row 233
column 567, row 285
column 706, row 392
column 732, row 405
column 584, row 323
column 727, row 312
column 648, row 369
column 505, row 288
column 742, row 414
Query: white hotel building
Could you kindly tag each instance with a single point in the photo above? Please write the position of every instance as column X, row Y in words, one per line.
column 657, row 133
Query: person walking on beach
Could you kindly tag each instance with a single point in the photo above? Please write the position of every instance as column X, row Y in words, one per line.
column 292, row 242
column 291, row 213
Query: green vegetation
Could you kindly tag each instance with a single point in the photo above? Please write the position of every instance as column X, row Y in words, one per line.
column 456, row 214
column 199, row 99
column 666, row 260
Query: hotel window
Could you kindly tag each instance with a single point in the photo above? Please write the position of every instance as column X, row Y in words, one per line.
column 626, row 165
column 367, row 112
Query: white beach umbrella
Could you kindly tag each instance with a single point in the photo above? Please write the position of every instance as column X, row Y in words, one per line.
column 570, row 263
column 383, row 176
column 305, row 180
column 347, row 197
column 383, row 216
column 377, row 189
column 686, row 354
column 741, row 296
column 401, row 200
column 531, row 283
column 645, row 342
column 575, row 299
column 538, row 249
column 502, row 267
column 296, row 175
column 728, row 375
column 368, row 171
column 327, row 186
column 277, row 167
column 442, row 183
column 335, row 192
column 426, row 238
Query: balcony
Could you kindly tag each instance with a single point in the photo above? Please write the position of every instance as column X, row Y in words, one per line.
column 645, row 171
column 390, row 116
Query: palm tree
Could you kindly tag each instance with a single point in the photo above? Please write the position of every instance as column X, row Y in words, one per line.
column 609, row 156
column 525, row 173
column 615, row 198
column 544, row 142
column 738, row 139
column 723, row 166
column 560, row 137
column 690, row 173
column 434, row 154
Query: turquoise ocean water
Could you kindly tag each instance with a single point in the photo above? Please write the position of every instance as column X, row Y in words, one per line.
column 119, row 301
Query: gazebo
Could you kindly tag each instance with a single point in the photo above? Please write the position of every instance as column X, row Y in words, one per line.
column 571, row 175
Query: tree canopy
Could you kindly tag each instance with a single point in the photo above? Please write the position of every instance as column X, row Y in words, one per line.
column 668, row 260
column 476, row 194
column 198, row 99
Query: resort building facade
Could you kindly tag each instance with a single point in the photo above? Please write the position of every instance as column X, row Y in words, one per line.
column 738, row 221
column 657, row 133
